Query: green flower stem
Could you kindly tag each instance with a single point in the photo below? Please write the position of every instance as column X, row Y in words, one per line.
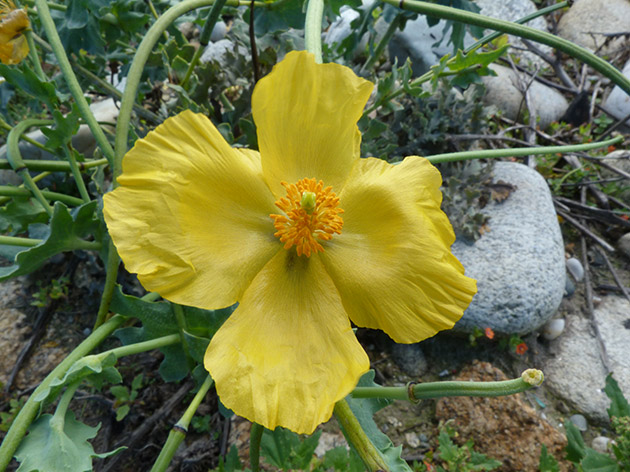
column 51, row 5
column 28, row 242
column 255, row 436
column 14, row 157
column 515, row 152
column 356, row 436
column 32, row 52
column 111, row 274
column 22, row 242
column 144, row 346
column 8, row 127
column 423, row 391
column 10, row 191
column 380, row 47
column 55, row 166
column 102, row 84
column 180, row 318
column 137, row 67
column 492, row 36
column 178, row 433
column 31, row 407
column 71, row 80
column 204, row 38
column 313, row 28
column 76, row 173
column 515, row 29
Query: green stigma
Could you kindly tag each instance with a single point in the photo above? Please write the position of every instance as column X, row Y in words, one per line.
column 308, row 201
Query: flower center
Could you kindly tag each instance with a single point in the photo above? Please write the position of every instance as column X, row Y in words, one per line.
column 311, row 213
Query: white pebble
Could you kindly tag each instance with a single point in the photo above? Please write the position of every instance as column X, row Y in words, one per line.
column 600, row 444
column 553, row 329
column 575, row 269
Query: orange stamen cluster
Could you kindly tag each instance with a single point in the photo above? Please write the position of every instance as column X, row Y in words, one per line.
column 302, row 228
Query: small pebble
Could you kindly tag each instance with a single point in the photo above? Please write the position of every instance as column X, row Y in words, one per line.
column 412, row 439
column 600, row 444
column 596, row 300
column 569, row 286
column 553, row 329
column 87, row 331
column 579, row 421
column 575, row 269
column 624, row 244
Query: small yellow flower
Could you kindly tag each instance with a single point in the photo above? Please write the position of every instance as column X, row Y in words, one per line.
column 13, row 22
column 304, row 234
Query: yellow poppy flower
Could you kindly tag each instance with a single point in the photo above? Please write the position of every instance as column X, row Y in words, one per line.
column 13, row 22
column 304, row 234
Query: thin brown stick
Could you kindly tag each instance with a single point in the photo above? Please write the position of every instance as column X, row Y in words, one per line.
column 145, row 428
column 584, row 230
column 589, row 303
column 589, row 297
column 615, row 275
column 607, row 216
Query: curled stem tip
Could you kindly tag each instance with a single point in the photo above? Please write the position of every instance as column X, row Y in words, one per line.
column 533, row 377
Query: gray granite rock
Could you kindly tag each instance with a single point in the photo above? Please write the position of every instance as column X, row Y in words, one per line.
column 618, row 102
column 504, row 92
column 512, row 10
column 576, row 372
column 519, row 264
column 586, row 20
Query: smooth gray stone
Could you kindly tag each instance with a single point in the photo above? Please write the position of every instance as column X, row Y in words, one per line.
column 519, row 264
column 618, row 102
column 576, row 371
column 587, row 22
column 505, row 91
column 579, row 422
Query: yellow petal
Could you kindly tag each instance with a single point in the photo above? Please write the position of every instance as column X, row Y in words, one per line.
column 191, row 215
column 392, row 262
column 288, row 353
column 14, row 51
column 306, row 115
column 13, row 44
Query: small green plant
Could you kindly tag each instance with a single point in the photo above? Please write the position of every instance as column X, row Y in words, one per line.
column 602, row 122
column 125, row 397
column 454, row 458
column 58, row 288
column 6, row 417
column 588, row 459
column 202, row 424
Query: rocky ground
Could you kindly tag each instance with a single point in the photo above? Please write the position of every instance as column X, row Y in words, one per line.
column 576, row 327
